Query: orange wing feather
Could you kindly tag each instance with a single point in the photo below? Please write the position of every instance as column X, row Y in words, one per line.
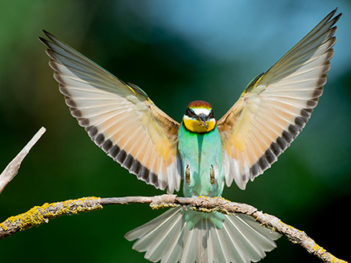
column 121, row 119
column 275, row 107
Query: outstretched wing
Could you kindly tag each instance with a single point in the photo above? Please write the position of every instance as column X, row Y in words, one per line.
column 275, row 107
column 120, row 118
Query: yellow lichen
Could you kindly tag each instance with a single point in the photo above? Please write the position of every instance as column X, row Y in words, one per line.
column 41, row 214
column 30, row 218
column 224, row 199
column 223, row 211
column 202, row 209
column 161, row 205
column 3, row 226
column 318, row 248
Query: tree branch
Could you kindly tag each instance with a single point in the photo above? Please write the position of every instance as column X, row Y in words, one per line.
column 12, row 168
column 42, row 214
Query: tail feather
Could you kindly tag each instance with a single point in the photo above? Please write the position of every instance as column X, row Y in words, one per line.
column 207, row 248
column 266, row 236
column 161, row 244
column 250, row 242
column 168, row 238
column 188, row 253
column 149, row 226
column 219, row 247
column 156, row 235
column 175, row 249
column 230, row 242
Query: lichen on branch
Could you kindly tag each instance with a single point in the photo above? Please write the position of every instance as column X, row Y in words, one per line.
column 42, row 214
column 39, row 215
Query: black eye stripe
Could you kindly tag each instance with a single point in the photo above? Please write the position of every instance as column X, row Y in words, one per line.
column 190, row 113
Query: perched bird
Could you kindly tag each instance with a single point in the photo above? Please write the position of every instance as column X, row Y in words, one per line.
column 123, row 121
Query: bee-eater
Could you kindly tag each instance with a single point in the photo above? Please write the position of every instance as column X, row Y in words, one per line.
column 123, row 121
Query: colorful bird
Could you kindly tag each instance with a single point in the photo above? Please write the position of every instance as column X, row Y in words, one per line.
column 123, row 121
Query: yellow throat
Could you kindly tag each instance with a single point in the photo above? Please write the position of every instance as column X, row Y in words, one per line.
column 197, row 126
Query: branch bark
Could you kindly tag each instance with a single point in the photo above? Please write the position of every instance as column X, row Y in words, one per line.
column 12, row 168
column 42, row 214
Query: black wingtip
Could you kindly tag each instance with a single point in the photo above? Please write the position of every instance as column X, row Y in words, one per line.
column 332, row 13
column 47, row 42
column 48, row 35
column 337, row 17
column 332, row 18
column 43, row 40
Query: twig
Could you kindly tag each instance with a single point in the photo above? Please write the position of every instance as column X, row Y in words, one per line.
column 12, row 168
column 41, row 214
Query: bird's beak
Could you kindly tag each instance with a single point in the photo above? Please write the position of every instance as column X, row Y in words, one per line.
column 202, row 118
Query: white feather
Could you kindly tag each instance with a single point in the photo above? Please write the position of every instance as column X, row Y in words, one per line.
column 199, row 111
column 169, row 239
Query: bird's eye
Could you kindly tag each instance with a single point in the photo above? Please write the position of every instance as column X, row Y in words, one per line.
column 190, row 113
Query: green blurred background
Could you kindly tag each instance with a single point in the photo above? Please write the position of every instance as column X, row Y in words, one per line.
column 177, row 51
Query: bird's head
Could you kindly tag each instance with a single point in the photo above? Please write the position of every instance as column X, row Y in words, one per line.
column 199, row 117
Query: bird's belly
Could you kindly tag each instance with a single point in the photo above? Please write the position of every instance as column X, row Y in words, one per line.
column 201, row 156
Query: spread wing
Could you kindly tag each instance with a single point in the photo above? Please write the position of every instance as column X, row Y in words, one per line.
column 120, row 118
column 275, row 107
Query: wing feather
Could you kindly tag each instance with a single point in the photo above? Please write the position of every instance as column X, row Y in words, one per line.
column 275, row 107
column 120, row 118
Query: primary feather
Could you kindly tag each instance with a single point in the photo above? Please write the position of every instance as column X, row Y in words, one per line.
column 120, row 118
column 275, row 107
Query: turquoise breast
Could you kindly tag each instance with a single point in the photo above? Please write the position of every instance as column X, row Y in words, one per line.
column 202, row 158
